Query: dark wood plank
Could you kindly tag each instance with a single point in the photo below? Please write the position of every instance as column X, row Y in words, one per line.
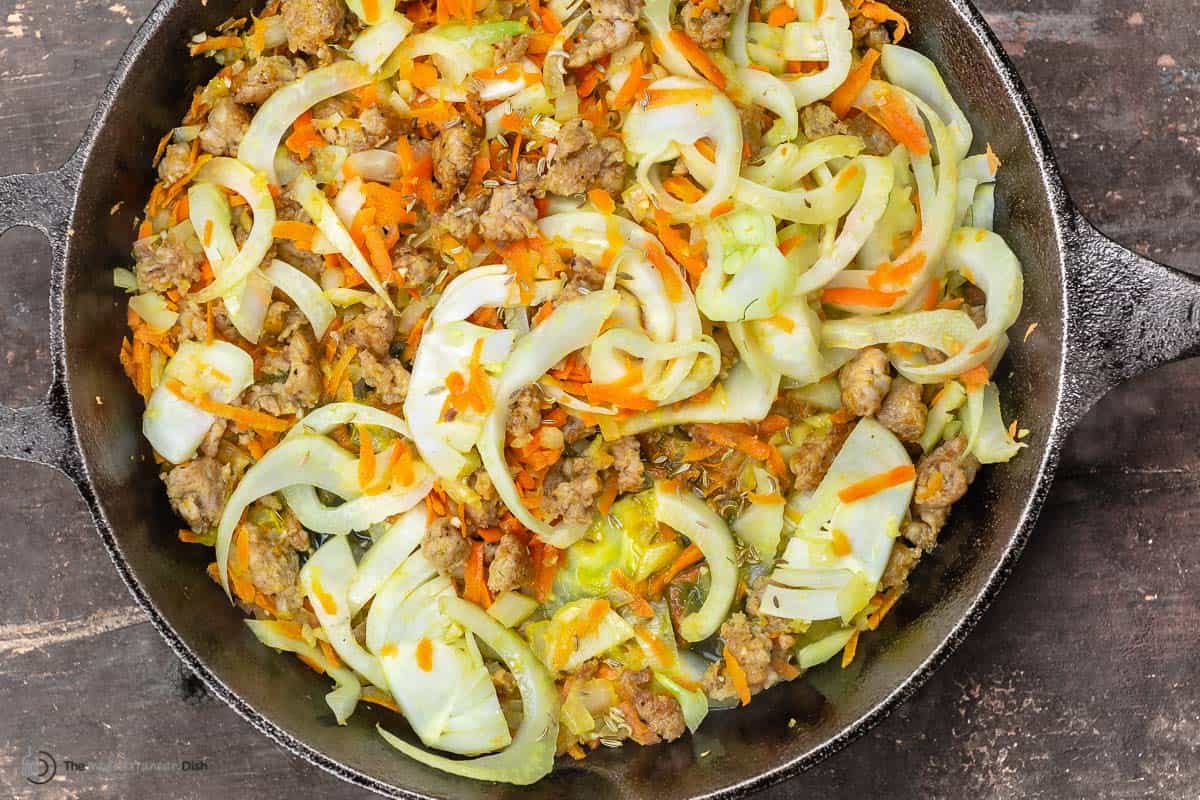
column 1081, row 680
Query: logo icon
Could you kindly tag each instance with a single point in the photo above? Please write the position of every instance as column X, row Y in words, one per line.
column 38, row 768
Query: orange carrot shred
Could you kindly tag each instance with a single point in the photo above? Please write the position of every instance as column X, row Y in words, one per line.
column 737, row 676
column 844, row 96
column 877, row 483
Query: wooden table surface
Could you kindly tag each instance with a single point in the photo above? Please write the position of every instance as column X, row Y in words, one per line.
column 1081, row 681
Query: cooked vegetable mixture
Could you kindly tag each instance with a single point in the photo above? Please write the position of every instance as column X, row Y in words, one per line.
column 550, row 372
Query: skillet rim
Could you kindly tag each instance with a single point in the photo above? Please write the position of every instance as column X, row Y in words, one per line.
column 1061, row 217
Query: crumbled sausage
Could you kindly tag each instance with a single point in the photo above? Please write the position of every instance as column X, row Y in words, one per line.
column 312, row 24
column 265, row 75
column 486, row 512
column 877, row 140
column 614, row 23
column 751, row 647
column 510, row 215
column 524, row 416
column 865, row 381
column 707, row 25
column 454, row 154
column 818, row 121
column 417, row 268
column 197, row 490
column 274, row 563
column 511, row 567
column 900, row 563
column 921, row 534
column 814, row 454
column 575, row 429
column 162, row 264
column 570, row 490
column 511, row 50
column 297, row 378
column 582, row 277
column 903, row 412
column 627, row 461
column 335, row 120
column 193, row 320
column 661, row 712
column 224, row 128
column 868, row 33
column 176, row 160
column 283, row 320
column 461, row 219
column 211, row 445
column 780, row 630
column 373, row 331
column 943, row 475
column 755, row 121
column 581, row 161
column 386, row 376
column 444, row 546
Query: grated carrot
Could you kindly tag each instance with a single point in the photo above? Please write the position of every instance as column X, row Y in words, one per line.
column 975, row 377
column 602, row 200
column 475, row 587
column 844, row 96
column 670, row 276
column 899, row 273
column 304, row 137
column 781, row 15
column 737, row 437
column 850, row 649
column 637, row 603
column 851, row 296
column 245, row 417
column 683, row 188
column 888, row 601
column 366, row 457
column 878, row 12
column 698, row 58
column 301, row 233
column 877, row 483
column 635, row 84
column 737, row 676
column 215, row 43
column 690, row 555
column 894, row 115
column 334, row 379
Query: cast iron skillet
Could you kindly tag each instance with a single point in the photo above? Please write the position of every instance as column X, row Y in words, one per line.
column 1104, row 315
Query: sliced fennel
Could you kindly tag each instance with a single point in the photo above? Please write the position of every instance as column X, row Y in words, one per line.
column 305, row 293
column 832, row 564
column 385, row 556
column 376, row 44
column 744, row 396
column 653, row 134
column 987, row 437
column 559, row 645
column 742, row 246
column 761, row 522
column 221, row 371
column 246, row 303
column 281, row 109
column 343, row 699
column 693, row 518
column 531, row 754
column 153, row 309
column 238, row 270
column 325, row 579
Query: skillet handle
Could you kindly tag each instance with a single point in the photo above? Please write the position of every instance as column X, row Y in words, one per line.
column 42, row 433
column 1127, row 315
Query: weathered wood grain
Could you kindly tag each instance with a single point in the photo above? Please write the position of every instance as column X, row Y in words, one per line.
column 1080, row 682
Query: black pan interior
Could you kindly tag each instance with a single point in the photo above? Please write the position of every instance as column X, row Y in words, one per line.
column 734, row 748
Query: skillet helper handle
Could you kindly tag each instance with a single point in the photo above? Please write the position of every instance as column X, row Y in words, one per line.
column 1128, row 315
column 42, row 433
